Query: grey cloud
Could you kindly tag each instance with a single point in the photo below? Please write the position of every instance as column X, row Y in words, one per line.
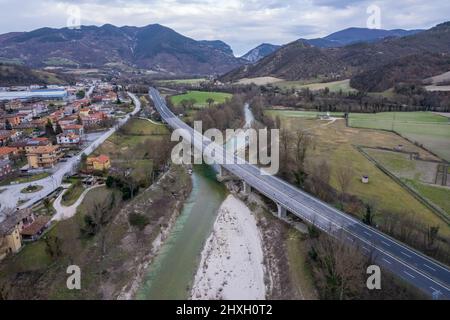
column 243, row 24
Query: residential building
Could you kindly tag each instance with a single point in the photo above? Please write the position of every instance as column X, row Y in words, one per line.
column 100, row 163
column 7, row 152
column 5, row 168
column 10, row 229
column 27, row 145
column 13, row 119
column 73, row 128
column 68, row 138
column 93, row 119
column 43, row 156
column 8, row 135
column 34, row 231
column 13, row 105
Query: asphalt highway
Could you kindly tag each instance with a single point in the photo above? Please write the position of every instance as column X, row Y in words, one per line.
column 424, row 273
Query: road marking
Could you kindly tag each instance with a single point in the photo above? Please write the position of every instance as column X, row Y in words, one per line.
column 409, row 274
column 386, row 243
column 367, row 233
column 405, row 254
column 315, row 211
column 350, row 239
column 387, row 261
column 429, row 267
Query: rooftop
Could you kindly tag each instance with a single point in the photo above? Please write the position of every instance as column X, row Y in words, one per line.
column 23, row 95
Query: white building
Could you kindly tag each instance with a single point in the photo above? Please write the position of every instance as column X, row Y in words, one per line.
column 67, row 138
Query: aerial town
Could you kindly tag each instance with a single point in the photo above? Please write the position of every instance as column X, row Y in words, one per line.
column 225, row 151
column 43, row 130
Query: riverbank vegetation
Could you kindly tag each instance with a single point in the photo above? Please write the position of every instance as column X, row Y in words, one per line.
column 103, row 239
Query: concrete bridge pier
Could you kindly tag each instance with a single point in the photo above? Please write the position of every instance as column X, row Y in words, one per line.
column 223, row 174
column 246, row 187
column 281, row 211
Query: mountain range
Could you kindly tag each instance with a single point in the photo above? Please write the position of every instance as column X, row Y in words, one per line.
column 334, row 40
column 152, row 47
column 373, row 59
column 393, row 59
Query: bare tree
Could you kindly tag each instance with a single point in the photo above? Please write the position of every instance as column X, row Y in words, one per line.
column 339, row 269
column 285, row 141
column 344, row 178
column 318, row 180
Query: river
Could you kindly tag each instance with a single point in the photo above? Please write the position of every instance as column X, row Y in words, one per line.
column 172, row 273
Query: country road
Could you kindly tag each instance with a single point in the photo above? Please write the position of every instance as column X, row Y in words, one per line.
column 11, row 194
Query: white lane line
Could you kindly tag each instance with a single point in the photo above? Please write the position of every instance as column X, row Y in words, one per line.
column 367, row 233
column 405, row 254
column 386, row 243
column 433, row 269
column 409, row 274
column 379, row 248
column 365, row 249
column 387, row 261
column 350, row 239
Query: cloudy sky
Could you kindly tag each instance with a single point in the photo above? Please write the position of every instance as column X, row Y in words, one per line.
column 241, row 23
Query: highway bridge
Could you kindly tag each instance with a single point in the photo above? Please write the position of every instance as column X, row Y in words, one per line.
column 422, row 272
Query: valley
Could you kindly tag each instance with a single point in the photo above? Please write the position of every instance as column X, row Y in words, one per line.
column 335, row 184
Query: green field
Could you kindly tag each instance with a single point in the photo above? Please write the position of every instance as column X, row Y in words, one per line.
column 59, row 61
column 128, row 147
column 426, row 128
column 183, row 81
column 335, row 143
column 200, row 97
column 301, row 114
column 440, row 196
column 334, row 86
column 72, row 194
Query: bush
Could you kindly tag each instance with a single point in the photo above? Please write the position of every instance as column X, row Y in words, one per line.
column 138, row 220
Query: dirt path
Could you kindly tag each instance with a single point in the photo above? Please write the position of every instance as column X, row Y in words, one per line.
column 63, row 212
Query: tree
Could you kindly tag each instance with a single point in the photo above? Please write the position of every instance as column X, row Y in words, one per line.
column 210, row 101
column 8, row 125
column 369, row 215
column 302, row 142
column 318, row 181
column 99, row 215
column 49, row 131
column 192, row 102
column 53, row 246
column 344, row 178
column 339, row 269
column 58, row 128
column 80, row 94
column 47, row 205
column 79, row 121
column 285, row 139
column 185, row 104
